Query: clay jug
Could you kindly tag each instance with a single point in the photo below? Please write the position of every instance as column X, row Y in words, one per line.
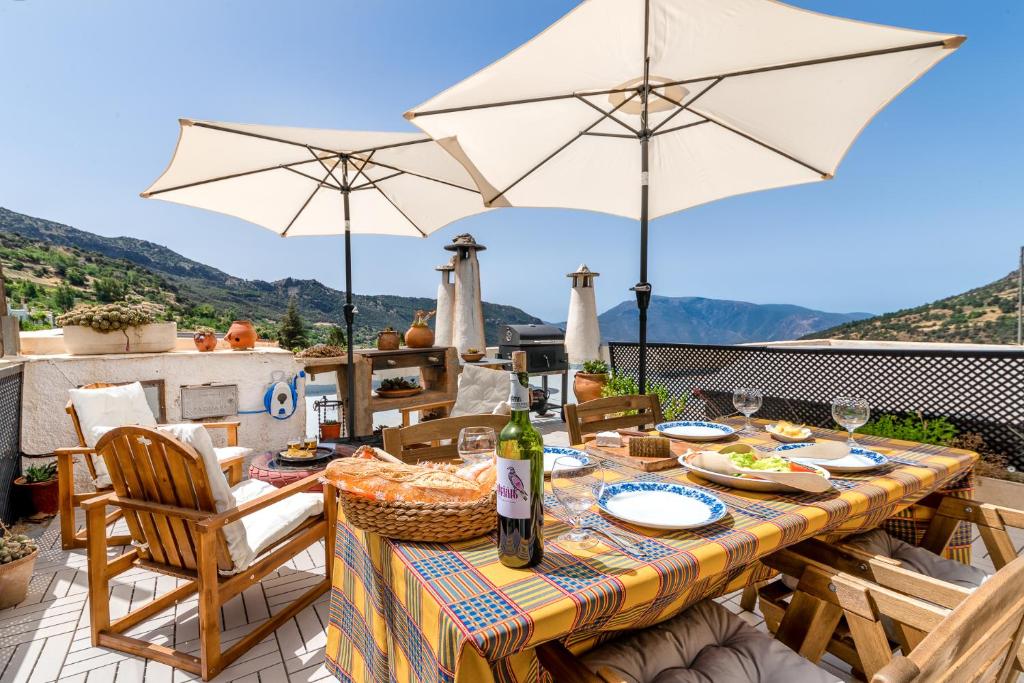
column 205, row 340
column 241, row 335
column 387, row 340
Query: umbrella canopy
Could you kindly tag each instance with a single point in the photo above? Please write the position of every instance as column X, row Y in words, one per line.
column 309, row 181
column 641, row 108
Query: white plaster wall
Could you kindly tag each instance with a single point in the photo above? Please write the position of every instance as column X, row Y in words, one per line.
column 45, row 425
column 443, row 319
column 582, row 332
column 468, row 322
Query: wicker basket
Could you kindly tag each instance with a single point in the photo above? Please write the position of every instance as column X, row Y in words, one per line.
column 430, row 522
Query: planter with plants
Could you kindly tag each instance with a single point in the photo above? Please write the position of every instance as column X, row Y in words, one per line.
column 472, row 355
column 121, row 327
column 419, row 335
column 330, row 430
column 205, row 339
column 588, row 383
column 18, row 555
column 398, row 387
column 39, row 483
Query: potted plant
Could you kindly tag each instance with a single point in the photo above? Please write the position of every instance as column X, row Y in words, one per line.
column 18, row 555
column 387, row 339
column 205, row 339
column 419, row 335
column 588, row 383
column 40, row 484
column 131, row 326
column 472, row 355
column 398, row 387
column 330, row 430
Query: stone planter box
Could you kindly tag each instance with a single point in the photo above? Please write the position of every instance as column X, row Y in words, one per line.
column 153, row 338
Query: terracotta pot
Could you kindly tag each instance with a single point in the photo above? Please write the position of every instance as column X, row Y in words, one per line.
column 330, row 432
column 588, row 386
column 43, row 495
column 205, row 341
column 419, row 337
column 242, row 335
column 14, row 579
column 388, row 340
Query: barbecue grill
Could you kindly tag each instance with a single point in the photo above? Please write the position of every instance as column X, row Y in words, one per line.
column 545, row 352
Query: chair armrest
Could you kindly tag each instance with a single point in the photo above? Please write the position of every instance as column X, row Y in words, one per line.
column 428, row 406
column 234, row 514
column 563, row 665
column 114, row 500
column 98, row 501
column 230, row 426
column 75, row 450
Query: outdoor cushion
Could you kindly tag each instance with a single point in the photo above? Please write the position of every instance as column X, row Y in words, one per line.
column 481, row 390
column 705, row 643
column 229, row 452
column 264, row 528
column 917, row 559
column 100, row 408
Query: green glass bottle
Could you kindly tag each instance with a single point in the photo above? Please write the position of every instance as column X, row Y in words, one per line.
column 520, row 480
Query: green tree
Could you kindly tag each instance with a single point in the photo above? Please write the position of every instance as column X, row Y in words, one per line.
column 64, row 298
column 75, row 276
column 108, row 290
column 336, row 335
column 291, row 334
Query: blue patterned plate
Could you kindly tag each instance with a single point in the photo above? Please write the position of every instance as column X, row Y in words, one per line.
column 661, row 505
column 859, row 459
column 692, row 430
column 552, row 452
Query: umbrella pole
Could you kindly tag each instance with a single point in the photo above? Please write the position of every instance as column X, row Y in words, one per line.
column 349, row 311
column 643, row 287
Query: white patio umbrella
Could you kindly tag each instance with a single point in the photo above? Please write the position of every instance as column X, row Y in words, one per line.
column 308, row 181
column 641, row 108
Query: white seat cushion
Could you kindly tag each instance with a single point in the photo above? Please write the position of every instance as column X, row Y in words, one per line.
column 703, row 644
column 264, row 528
column 229, row 452
column 99, row 410
column 481, row 390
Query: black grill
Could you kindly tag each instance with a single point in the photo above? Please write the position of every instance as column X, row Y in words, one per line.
column 544, row 346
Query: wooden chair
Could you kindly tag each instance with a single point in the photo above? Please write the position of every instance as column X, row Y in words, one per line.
column 435, row 439
column 611, row 413
column 161, row 486
column 486, row 388
column 68, row 500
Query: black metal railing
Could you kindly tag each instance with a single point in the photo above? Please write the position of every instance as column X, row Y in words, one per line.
column 979, row 391
column 10, row 438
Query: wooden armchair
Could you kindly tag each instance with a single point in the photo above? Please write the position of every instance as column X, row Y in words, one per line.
column 68, row 500
column 162, row 487
column 435, row 439
column 611, row 413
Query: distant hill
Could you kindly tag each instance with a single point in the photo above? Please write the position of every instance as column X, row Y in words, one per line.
column 985, row 315
column 696, row 320
column 198, row 294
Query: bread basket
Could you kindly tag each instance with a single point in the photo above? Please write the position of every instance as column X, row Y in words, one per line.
column 417, row 521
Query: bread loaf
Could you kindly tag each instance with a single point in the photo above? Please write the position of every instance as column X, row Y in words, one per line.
column 402, row 482
column 650, row 447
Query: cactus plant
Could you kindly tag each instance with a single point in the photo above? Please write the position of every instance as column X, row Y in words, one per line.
column 113, row 317
column 14, row 546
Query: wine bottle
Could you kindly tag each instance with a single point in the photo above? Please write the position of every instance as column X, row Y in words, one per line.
column 520, row 480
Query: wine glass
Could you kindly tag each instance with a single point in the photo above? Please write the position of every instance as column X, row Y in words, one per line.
column 748, row 402
column 577, row 486
column 851, row 413
column 476, row 444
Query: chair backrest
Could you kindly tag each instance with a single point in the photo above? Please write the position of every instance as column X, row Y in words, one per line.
column 978, row 641
column 992, row 521
column 611, row 413
column 163, row 483
column 481, row 390
column 435, row 439
column 77, row 424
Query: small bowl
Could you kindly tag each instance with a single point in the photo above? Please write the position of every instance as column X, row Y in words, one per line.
column 807, row 435
column 472, row 357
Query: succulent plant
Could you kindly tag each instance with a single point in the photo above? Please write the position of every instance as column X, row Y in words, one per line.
column 397, row 383
column 322, row 351
column 112, row 317
column 420, row 318
column 14, row 546
column 36, row 474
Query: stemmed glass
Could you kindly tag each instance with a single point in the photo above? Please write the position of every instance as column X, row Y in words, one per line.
column 851, row 413
column 577, row 486
column 748, row 402
column 476, row 444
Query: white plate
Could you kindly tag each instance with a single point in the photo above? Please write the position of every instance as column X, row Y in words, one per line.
column 551, row 453
column 661, row 505
column 746, row 483
column 859, row 460
column 692, row 430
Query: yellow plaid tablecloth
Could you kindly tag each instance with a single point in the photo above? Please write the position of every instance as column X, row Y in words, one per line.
column 433, row 612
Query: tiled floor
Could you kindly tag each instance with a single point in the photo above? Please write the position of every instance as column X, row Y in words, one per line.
column 46, row 638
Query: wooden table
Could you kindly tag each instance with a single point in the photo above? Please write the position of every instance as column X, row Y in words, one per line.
column 451, row 612
column 438, row 369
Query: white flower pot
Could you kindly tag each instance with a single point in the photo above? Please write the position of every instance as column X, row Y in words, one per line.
column 152, row 338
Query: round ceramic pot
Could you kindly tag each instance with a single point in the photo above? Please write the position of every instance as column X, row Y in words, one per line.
column 419, row 337
column 205, row 341
column 588, row 386
column 388, row 340
column 43, row 495
column 14, row 579
column 241, row 335
column 152, row 338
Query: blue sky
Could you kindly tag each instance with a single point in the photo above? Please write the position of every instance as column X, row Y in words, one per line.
column 928, row 202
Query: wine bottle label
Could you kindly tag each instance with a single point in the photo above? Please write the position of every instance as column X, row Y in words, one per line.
column 513, row 487
column 518, row 395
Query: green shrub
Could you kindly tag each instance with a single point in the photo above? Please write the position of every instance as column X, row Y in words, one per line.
column 938, row 431
column 624, row 385
column 595, row 367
